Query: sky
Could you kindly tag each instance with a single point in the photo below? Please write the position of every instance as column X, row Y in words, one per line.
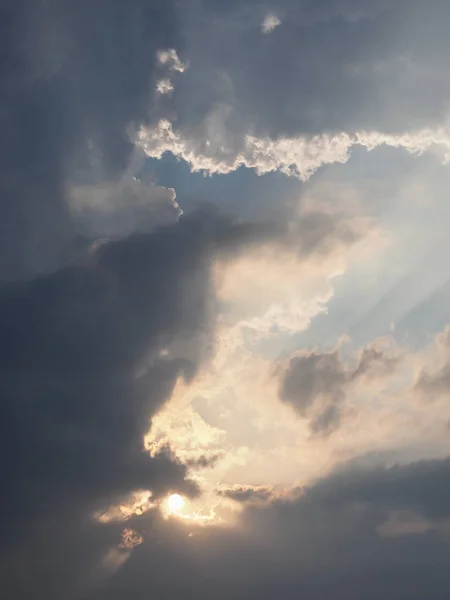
column 224, row 299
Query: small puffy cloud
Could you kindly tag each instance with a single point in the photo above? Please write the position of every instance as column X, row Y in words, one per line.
column 316, row 383
column 414, row 486
column 164, row 86
column 130, row 539
column 270, row 22
column 171, row 60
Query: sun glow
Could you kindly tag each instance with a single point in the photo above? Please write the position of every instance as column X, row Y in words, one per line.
column 175, row 504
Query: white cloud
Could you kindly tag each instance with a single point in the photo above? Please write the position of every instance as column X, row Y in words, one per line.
column 298, row 156
column 170, row 59
column 269, row 23
column 164, row 86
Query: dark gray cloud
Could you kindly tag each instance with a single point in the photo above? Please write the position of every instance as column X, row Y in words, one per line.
column 205, row 462
column 75, row 78
column 316, row 383
column 80, row 376
column 312, row 375
column 325, row 544
column 436, row 382
column 248, row 493
column 420, row 486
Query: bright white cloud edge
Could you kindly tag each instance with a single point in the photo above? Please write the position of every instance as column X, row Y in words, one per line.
column 299, row 156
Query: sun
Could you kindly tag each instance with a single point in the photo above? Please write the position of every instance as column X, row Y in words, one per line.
column 175, row 503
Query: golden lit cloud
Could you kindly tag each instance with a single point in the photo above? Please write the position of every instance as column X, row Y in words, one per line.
column 137, row 503
column 229, row 421
column 130, row 539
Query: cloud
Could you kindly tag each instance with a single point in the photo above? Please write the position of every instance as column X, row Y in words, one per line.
column 138, row 344
column 76, row 82
column 343, row 68
column 433, row 381
column 91, row 353
column 316, row 383
column 283, row 285
column 269, row 23
column 170, row 59
column 83, row 372
column 248, row 494
column 130, row 539
column 164, row 86
column 312, row 543
column 272, row 290
column 215, row 152
column 416, row 486
column 118, row 209
column 334, row 81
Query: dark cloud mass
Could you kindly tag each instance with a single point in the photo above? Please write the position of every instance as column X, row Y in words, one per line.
column 81, row 371
column 325, row 544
